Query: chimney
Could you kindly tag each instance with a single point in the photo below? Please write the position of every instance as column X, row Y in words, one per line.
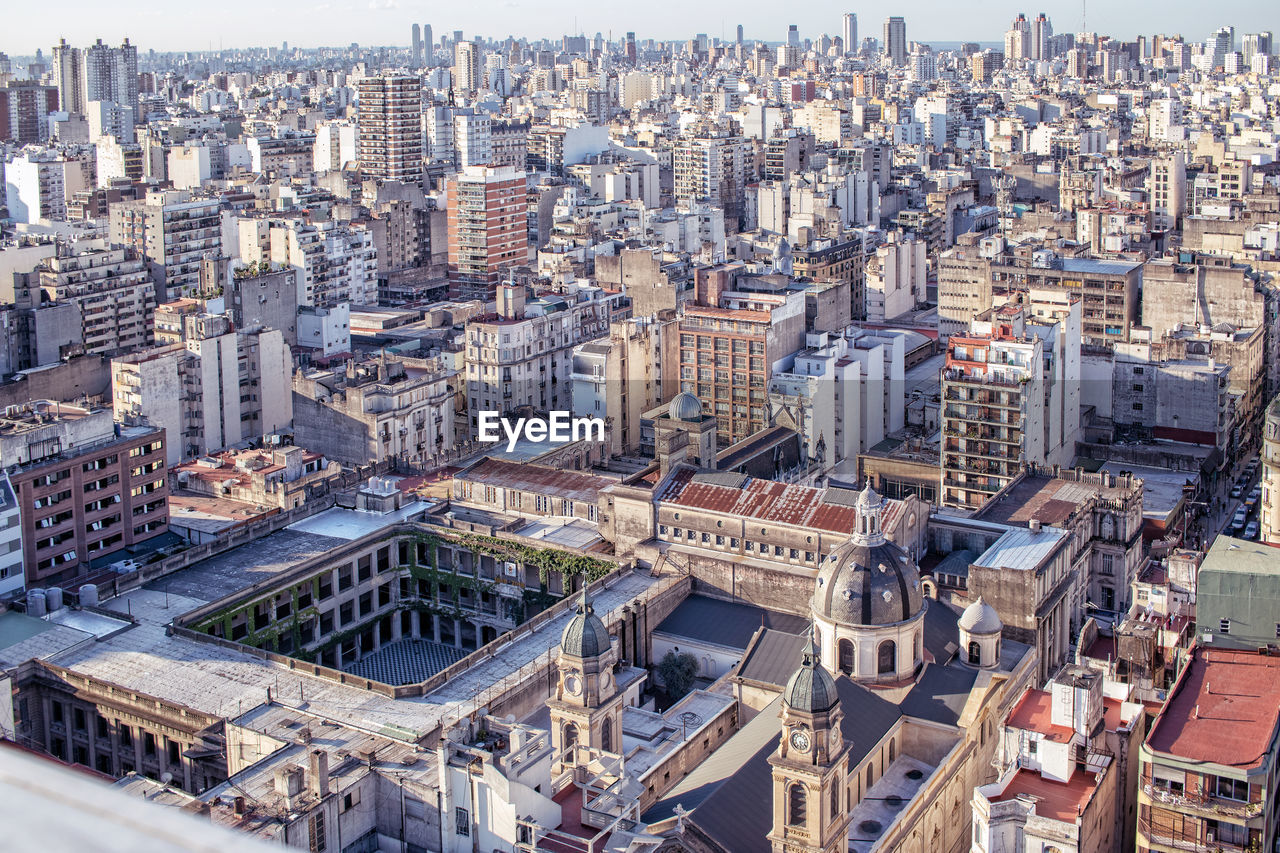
column 238, row 808
column 320, row 772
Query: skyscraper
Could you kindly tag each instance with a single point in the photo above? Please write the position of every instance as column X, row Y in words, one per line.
column 488, row 227
column 793, row 36
column 466, row 67
column 850, row 33
column 390, row 137
column 111, row 74
column 1253, row 44
column 895, row 40
column 417, row 44
column 1017, row 40
column 739, row 33
column 1042, row 38
column 67, row 78
column 428, row 45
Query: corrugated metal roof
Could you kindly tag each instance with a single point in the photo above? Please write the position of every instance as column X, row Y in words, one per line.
column 538, row 479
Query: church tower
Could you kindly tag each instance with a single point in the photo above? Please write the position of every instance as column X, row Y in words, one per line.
column 587, row 707
column 810, row 799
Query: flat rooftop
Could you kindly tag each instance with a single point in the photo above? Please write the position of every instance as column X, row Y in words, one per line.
column 885, row 801
column 1048, row 499
column 1022, row 549
column 1161, row 488
column 249, row 564
column 1061, row 801
column 1223, row 710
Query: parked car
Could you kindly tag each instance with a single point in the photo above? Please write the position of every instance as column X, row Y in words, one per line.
column 1239, row 520
column 1236, row 492
column 1251, row 530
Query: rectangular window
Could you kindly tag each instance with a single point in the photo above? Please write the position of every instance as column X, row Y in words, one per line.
column 461, row 822
column 317, row 832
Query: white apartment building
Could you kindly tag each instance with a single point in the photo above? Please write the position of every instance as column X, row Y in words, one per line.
column 12, row 576
column 472, row 140
column 843, row 393
column 174, row 232
column 213, row 391
column 1168, row 190
column 336, row 262
column 896, row 278
column 34, row 186
column 334, row 146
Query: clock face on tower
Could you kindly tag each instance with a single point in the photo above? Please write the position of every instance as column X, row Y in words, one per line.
column 573, row 684
column 800, row 740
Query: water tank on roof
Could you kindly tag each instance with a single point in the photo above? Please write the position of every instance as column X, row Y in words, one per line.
column 53, row 598
column 89, row 595
column 36, row 605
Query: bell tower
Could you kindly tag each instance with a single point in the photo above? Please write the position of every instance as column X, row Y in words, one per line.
column 587, row 707
column 810, row 799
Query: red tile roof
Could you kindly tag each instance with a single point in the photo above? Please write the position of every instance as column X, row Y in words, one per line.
column 1034, row 712
column 765, row 500
column 1224, row 709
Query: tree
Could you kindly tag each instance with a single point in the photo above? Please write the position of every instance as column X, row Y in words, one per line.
column 678, row 671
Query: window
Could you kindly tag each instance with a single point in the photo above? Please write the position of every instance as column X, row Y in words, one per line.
column 461, row 822
column 1033, row 747
column 1224, row 626
column 887, row 658
column 317, row 832
column 351, row 798
column 1232, row 789
column 846, row 656
column 975, row 653
column 796, row 805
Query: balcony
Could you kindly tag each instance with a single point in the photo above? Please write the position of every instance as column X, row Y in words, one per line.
column 1217, row 807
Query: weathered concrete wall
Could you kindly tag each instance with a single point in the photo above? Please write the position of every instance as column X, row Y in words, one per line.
column 88, row 375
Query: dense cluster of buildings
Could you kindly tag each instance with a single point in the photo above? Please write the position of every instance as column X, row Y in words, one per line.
column 816, row 442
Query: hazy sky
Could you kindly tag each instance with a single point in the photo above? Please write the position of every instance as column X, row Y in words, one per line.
column 160, row 25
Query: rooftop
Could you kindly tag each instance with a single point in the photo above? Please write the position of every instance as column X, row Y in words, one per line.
column 1022, row 549
column 1061, row 801
column 536, row 479
column 1224, row 710
column 1049, row 500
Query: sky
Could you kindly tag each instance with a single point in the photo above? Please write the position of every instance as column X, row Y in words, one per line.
column 154, row 24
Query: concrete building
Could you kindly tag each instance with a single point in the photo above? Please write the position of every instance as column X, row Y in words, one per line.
column 24, row 110
column 34, row 186
column 389, row 141
column 1168, row 190
column 282, row 477
column 383, row 409
column 488, row 228
column 1269, row 506
column 333, row 262
column 335, row 146
column 710, row 167
column 1208, row 765
column 1238, row 595
column 1178, row 399
column 894, row 46
column 85, row 487
column 1011, row 396
column 731, row 342
column 1062, row 781
column 264, row 298
column 112, row 291
column 896, row 278
column 214, row 390
column 12, row 576
column 842, row 393
column 623, row 377
column 174, row 232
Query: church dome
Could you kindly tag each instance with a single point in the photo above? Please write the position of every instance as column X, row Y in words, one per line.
column 586, row 635
column 685, row 407
column 868, row 580
column 811, row 689
column 980, row 618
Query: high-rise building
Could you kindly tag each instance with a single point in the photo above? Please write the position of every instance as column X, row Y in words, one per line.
column 793, row 36
column 1010, row 395
column 488, row 227
column 1042, row 38
column 173, row 232
column 895, row 40
column 1168, row 190
column 1017, row 41
column 390, row 140
column 417, row 44
column 67, row 77
column 1254, row 44
column 428, row 45
column 466, row 67
column 24, row 106
column 111, row 74
column 1269, row 506
column 850, row 33
column 1218, row 46
column 629, row 48
column 113, row 292
column 739, row 33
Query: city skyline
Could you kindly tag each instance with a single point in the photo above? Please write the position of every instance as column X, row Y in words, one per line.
column 309, row 24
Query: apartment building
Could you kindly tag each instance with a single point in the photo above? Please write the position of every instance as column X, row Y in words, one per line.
column 1168, row 190
column 333, row 262
column 377, row 410
column 35, row 186
column 843, row 393
column 113, row 291
column 488, row 228
column 1208, row 767
column 711, row 167
column 282, row 477
column 174, row 232
column 896, row 278
column 214, row 390
column 1178, row 399
column 972, row 280
column 24, row 109
column 1269, row 512
column 524, row 355
column 628, row 374
column 389, row 142
column 334, row 147
column 1010, row 397
column 12, row 577
column 86, row 486
column 730, row 344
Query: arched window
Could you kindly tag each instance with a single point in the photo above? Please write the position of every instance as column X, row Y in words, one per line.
column 871, row 776
column 835, row 797
column 796, row 813
column 892, row 750
column 606, row 735
column 846, row 657
column 570, row 735
column 975, row 652
column 887, row 658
